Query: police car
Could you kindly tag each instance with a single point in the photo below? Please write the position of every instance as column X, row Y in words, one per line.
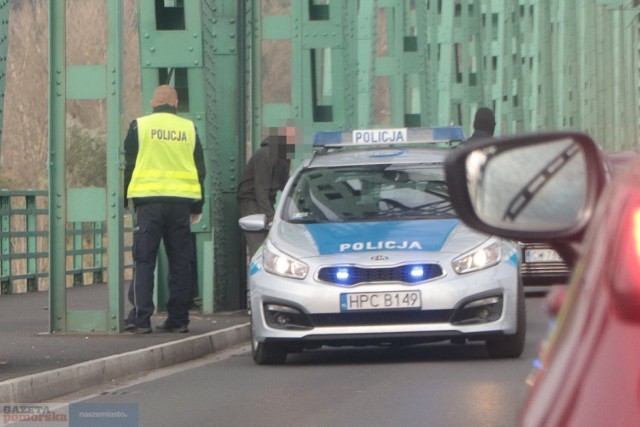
column 366, row 249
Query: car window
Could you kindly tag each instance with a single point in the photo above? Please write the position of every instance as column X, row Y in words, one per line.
column 368, row 192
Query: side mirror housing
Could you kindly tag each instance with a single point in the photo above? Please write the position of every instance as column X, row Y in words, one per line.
column 253, row 223
column 529, row 187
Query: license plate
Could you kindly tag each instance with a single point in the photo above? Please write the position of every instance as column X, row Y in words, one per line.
column 541, row 255
column 409, row 300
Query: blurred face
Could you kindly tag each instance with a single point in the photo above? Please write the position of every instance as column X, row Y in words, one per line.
column 289, row 133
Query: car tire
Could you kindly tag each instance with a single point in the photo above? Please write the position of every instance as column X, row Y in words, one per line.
column 511, row 346
column 267, row 353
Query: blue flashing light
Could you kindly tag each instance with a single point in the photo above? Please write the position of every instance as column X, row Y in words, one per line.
column 322, row 139
column 347, row 275
column 448, row 133
column 342, row 275
column 417, row 272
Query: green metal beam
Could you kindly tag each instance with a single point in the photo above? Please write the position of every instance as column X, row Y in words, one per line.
column 57, row 185
column 225, row 79
column 4, row 47
column 70, row 207
column 201, row 45
column 538, row 64
column 115, row 166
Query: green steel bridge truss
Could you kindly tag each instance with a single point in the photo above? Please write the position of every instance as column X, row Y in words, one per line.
column 243, row 66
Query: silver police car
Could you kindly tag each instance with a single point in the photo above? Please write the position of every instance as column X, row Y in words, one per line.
column 365, row 249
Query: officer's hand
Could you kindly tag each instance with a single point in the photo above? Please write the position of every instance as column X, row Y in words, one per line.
column 195, row 218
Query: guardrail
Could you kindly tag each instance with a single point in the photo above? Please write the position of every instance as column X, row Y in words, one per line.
column 24, row 245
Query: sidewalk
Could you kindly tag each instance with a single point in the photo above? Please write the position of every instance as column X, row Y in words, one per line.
column 36, row 366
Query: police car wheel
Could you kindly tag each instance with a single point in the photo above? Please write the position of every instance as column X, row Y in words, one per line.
column 511, row 346
column 267, row 353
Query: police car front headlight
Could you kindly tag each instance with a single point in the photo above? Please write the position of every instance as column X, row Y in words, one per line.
column 479, row 259
column 283, row 265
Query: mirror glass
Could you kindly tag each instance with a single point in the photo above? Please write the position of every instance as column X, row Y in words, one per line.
column 538, row 187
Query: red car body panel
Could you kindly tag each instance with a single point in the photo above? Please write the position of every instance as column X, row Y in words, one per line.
column 590, row 366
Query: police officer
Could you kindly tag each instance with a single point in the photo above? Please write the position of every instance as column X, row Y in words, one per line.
column 164, row 175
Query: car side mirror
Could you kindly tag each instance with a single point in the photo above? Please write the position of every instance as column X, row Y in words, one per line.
column 530, row 187
column 253, row 223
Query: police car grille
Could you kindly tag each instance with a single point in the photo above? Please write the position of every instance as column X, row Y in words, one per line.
column 391, row 317
column 402, row 273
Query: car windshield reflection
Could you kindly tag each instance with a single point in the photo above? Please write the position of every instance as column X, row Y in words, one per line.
column 369, row 193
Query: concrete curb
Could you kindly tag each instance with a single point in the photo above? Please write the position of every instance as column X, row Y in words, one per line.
column 48, row 385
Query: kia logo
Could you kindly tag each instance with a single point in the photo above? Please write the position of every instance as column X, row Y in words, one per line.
column 379, row 258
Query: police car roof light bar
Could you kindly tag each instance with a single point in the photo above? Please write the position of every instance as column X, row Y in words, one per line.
column 360, row 137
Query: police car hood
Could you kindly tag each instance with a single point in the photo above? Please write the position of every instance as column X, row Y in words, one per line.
column 326, row 239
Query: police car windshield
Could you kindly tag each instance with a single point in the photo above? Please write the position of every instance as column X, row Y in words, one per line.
column 368, row 193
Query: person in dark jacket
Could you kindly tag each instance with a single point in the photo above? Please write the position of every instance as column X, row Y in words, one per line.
column 266, row 173
column 484, row 124
column 164, row 178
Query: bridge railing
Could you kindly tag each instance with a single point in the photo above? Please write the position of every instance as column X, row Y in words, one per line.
column 24, row 245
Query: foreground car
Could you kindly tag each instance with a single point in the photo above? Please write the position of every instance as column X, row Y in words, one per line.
column 588, row 371
column 365, row 249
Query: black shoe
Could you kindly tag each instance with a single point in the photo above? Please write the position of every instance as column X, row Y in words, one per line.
column 131, row 327
column 168, row 327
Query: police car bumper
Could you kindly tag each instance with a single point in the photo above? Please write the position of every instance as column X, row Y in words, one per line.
column 475, row 306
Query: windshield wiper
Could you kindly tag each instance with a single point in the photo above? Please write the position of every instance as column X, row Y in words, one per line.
column 440, row 207
column 305, row 220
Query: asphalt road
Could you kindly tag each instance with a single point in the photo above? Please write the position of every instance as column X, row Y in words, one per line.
column 429, row 385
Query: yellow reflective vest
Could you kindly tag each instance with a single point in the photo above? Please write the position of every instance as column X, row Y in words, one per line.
column 165, row 166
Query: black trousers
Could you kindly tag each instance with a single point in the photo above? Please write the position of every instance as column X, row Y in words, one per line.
column 169, row 223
